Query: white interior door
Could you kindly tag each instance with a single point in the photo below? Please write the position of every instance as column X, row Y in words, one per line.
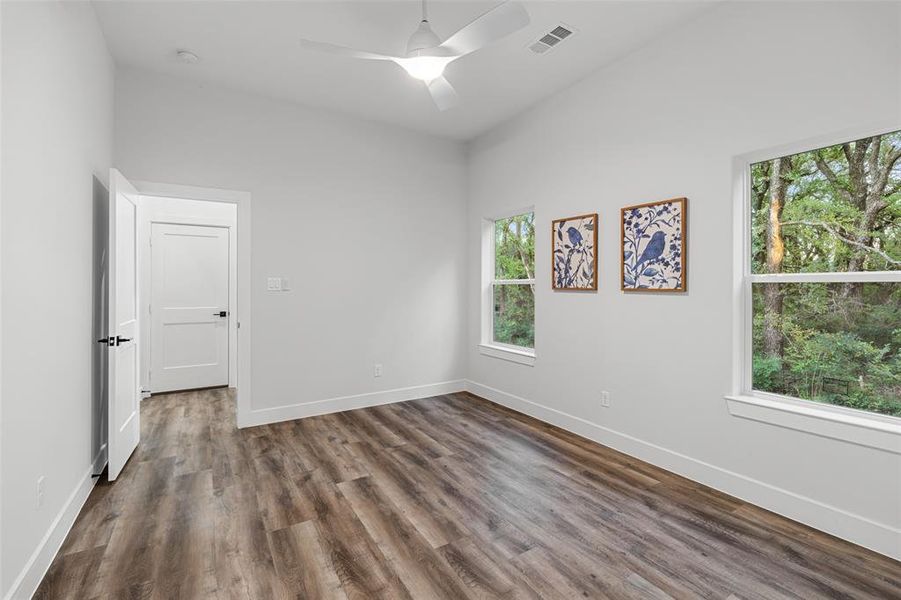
column 189, row 310
column 124, row 418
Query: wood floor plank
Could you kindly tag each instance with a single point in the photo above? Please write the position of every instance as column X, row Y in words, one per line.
column 281, row 503
column 127, row 567
column 315, row 443
column 646, row 589
column 536, row 567
column 370, row 430
column 446, row 497
column 71, row 573
column 477, row 511
column 424, row 511
column 302, row 565
column 483, row 573
column 242, row 557
column 182, row 550
column 352, row 554
column 423, row 571
column 393, row 417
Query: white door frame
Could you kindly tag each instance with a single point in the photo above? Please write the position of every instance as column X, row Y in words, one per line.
column 149, row 216
column 242, row 310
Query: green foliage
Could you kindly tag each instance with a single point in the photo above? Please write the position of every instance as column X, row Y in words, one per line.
column 514, row 258
column 822, row 216
column 514, row 247
column 836, row 349
column 514, row 315
column 841, row 211
column 766, row 371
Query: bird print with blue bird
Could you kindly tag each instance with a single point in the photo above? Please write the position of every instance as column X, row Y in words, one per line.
column 653, row 242
column 574, row 253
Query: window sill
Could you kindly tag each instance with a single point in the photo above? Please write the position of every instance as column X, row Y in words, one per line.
column 523, row 357
column 882, row 433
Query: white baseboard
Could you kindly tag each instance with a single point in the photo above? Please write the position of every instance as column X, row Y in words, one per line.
column 26, row 584
column 857, row 529
column 265, row 416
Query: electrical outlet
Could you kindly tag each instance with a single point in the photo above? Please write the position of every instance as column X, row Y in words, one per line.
column 605, row 399
column 377, row 370
column 286, row 287
column 40, row 492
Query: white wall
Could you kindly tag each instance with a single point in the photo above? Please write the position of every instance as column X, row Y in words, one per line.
column 664, row 122
column 56, row 152
column 367, row 221
column 157, row 209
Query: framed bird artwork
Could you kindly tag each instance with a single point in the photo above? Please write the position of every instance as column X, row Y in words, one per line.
column 653, row 246
column 574, row 243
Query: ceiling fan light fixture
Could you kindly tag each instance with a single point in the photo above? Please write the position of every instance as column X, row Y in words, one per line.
column 425, row 68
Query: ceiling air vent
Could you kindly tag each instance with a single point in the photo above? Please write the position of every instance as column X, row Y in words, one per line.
column 549, row 40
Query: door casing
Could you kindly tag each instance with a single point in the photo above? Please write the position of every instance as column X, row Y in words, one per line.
column 241, row 309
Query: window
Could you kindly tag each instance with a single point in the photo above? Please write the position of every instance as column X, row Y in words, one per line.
column 510, row 289
column 822, row 283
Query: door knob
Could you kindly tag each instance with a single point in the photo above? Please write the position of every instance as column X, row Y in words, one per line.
column 121, row 340
column 221, row 313
column 108, row 341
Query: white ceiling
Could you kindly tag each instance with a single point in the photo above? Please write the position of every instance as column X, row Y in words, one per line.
column 252, row 46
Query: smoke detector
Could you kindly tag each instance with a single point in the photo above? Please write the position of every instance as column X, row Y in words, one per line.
column 551, row 39
column 186, row 56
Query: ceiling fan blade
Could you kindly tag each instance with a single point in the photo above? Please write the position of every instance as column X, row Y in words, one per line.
column 442, row 93
column 497, row 23
column 343, row 50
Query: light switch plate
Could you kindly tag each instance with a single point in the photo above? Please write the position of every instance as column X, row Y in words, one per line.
column 274, row 284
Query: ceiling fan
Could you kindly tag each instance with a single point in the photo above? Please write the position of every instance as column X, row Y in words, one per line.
column 427, row 55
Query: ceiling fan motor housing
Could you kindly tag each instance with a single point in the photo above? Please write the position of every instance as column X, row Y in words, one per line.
column 422, row 39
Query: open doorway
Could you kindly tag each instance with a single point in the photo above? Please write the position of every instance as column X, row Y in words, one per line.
column 189, row 280
column 188, row 276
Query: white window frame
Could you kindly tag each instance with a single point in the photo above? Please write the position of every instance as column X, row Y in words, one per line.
column 860, row 427
column 487, row 345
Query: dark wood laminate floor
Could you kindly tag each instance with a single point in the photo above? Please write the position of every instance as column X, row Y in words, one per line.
column 449, row 497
